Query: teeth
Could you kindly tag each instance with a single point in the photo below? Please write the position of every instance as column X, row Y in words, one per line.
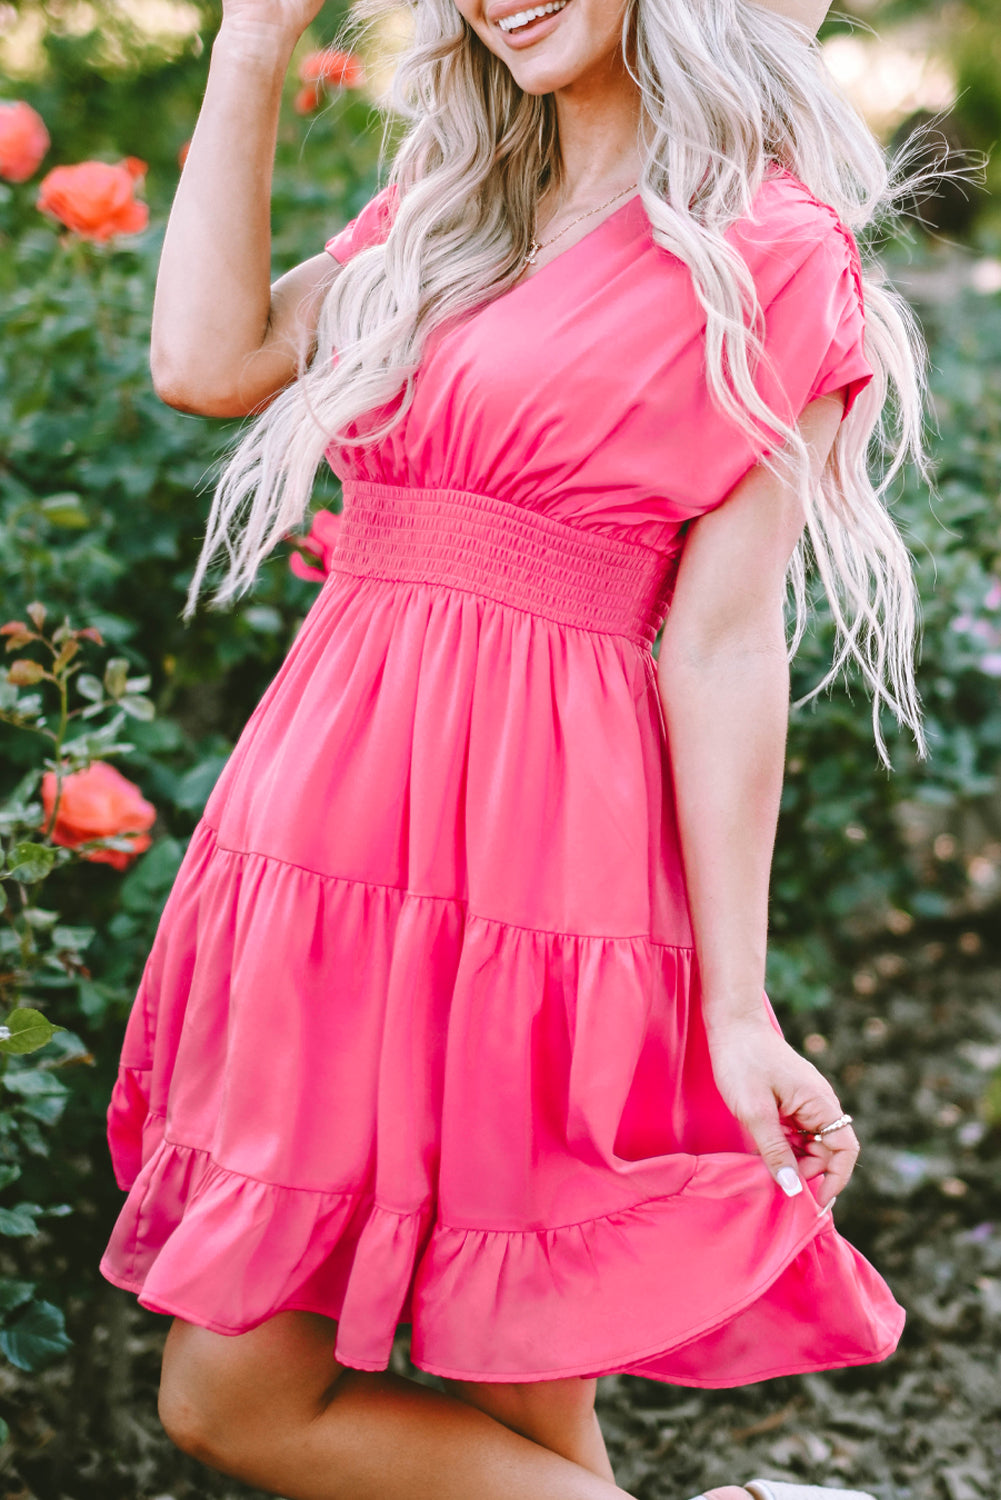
column 511, row 23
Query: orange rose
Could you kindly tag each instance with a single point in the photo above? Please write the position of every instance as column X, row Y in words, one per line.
column 24, row 140
column 334, row 69
column 95, row 200
column 98, row 803
column 308, row 100
column 321, row 541
column 182, row 154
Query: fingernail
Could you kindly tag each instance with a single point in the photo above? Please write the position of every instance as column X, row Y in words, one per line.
column 789, row 1181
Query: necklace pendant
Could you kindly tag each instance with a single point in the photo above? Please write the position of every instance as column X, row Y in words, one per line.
column 533, row 251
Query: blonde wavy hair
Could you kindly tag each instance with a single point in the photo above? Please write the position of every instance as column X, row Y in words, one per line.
column 727, row 87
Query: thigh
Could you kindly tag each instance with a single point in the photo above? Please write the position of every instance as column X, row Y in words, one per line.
column 213, row 1383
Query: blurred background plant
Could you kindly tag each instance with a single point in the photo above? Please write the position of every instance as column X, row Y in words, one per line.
column 103, row 500
column 85, row 812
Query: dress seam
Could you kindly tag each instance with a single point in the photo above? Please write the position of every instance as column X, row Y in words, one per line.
column 421, row 1208
column 450, row 901
column 264, row 1182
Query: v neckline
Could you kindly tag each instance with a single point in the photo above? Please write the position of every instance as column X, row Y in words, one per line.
column 527, row 280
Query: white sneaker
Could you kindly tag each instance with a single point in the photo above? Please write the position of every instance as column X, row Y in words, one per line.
column 779, row 1489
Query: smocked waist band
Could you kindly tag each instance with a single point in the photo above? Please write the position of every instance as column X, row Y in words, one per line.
column 506, row 553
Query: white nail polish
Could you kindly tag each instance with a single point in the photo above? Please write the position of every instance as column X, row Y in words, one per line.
column 790, row 1182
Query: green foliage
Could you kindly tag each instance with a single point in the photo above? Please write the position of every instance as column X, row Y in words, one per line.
column 844, row 863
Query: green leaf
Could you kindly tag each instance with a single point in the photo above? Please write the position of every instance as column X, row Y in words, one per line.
column 94, row 999
column 64, row 510
column 43, row 1094
column 75, row 938
column 96, row 743
column 26, row 1030
column 14, row 1293
column 116, row 673
column 195, row 785
column 263, row 617
column 4, row 1432
column 137, row 707
column 19, row 1222
column 9, row 1173
column 37, row 1338
column 39, row 917
column 31, row 862
column 89, row 686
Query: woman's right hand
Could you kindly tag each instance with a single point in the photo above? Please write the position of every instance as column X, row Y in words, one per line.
column 261, row 19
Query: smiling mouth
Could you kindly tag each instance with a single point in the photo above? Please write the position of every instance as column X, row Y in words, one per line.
column 524, row 20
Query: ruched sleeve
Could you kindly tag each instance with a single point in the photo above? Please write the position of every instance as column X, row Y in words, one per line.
column 368, row 227
column 808, row 276
column 816, row 325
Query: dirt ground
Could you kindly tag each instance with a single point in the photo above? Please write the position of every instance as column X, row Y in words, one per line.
column 914, row 1048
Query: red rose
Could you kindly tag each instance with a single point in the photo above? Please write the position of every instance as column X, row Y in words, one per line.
column 24, row 140
column 321, row 541
column 95, row 200
column 342, row 70
column 98, row 803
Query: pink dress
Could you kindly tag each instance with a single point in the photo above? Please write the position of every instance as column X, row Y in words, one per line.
column 419, row 1037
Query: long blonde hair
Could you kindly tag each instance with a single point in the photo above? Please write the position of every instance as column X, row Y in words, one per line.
column 727, row 87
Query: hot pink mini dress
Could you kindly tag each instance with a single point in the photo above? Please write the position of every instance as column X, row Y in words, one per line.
column 419, row 1037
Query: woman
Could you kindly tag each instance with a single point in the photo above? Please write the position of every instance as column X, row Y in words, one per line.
column 455, row 1014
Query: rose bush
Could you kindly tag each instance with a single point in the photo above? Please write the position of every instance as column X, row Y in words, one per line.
column 94, row 199
column 24, row 141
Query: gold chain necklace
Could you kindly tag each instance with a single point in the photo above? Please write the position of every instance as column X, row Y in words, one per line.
column 536, row 245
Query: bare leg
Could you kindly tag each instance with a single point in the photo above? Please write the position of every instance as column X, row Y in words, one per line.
column 273, row 1407
column 557, row 1414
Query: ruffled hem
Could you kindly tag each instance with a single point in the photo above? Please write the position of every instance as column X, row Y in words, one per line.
column 700, row 1287
column 374, row 1105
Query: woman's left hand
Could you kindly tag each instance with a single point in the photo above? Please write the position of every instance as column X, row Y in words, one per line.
column 781, row 1099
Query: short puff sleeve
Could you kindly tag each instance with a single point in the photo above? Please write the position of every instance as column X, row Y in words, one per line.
column 369, row 227
column 808, row 274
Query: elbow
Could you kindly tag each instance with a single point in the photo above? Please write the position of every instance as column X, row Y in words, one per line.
column 688, row 660
column 199, row 396
column 189, row 391
column 732, row 630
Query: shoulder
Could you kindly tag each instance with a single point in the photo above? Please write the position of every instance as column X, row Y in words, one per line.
column 792, row 235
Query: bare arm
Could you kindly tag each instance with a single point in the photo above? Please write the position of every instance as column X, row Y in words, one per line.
column 223, row 339
column 724, row 685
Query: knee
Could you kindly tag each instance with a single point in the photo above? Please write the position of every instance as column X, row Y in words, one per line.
column 186, row 1424
column 225, row 1399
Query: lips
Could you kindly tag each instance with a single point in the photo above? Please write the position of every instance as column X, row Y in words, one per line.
column 531, row 25
column 499, row 13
